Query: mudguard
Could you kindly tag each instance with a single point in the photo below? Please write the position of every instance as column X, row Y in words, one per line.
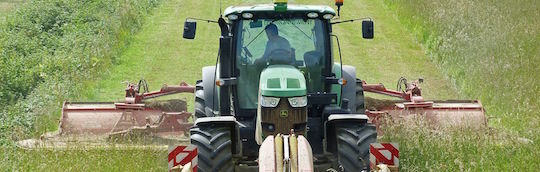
column 348, row 117
column 349, row 89
column 209, row 85
column 229, row 121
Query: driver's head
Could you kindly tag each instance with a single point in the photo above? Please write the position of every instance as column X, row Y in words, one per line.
column 271, row 31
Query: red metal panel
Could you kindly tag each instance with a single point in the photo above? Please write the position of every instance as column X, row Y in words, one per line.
column 182, row 155
column 383, row 153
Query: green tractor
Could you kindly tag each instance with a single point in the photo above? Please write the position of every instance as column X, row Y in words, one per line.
column 277, row 75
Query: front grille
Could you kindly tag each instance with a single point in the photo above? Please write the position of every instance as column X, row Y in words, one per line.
column 296, row 118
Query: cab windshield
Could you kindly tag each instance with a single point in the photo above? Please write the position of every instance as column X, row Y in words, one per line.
column 264, row 42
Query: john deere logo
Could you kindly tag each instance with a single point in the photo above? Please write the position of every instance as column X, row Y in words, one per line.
column 284, row 113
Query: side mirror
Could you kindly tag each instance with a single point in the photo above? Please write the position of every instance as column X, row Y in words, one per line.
column 367, row 29
column 190, row 26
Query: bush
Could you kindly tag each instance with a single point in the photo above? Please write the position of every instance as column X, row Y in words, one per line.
column 48, row 47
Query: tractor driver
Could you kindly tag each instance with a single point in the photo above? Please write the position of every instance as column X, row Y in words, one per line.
column 278, row 49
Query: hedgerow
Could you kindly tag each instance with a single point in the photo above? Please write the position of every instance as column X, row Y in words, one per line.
column 48, row 47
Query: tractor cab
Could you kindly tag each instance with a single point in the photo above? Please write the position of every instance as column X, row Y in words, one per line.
column 263, row 37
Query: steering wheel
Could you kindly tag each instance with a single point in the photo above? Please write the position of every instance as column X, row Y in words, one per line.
column 279, row 56
column 247, row 56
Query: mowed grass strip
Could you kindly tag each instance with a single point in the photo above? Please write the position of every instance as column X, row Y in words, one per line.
column 160, row 55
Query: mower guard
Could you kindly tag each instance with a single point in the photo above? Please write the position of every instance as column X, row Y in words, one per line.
column 133, row 117
column 101, row 118
column 448, row 113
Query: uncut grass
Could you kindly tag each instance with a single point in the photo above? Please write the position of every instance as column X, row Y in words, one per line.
column 78, row 158
column 7, row 6
column 424, row 147
column 36, row 79
column 490, row 50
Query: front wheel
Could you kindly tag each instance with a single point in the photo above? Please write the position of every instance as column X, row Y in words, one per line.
column 214, row 147
column 360, row 106
column 199, row 100
column 353, row 141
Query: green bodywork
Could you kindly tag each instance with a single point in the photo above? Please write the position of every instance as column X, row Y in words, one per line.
column 282, row 81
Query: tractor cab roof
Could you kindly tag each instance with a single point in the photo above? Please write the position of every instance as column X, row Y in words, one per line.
column 321, row 9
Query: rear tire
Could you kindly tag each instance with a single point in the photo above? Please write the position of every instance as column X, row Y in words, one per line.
column 214, row 147
column 353, row 141
column 360, row 106
column 199, row 100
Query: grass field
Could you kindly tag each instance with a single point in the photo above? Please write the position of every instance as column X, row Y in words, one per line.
column 159, row 55
column 484, row 42
column 6, row 6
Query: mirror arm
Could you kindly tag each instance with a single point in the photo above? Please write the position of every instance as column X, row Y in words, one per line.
column 351, row 20
column 206, row 20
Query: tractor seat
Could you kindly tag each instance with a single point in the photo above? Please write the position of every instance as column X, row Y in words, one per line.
column 314, row 66
column 312, row 58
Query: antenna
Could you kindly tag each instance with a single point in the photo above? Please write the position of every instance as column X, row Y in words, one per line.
column 220, row 13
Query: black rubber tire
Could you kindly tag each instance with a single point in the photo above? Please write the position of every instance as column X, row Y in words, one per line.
column 360, row 106
column 199, row 100
column 214, row 148
column 353, row 141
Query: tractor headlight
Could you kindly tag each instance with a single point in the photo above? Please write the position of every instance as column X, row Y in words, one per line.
column 298, row 101
column 328, row 16
column 247, row 15
column 232, row 17
column 313, row 15
column 269, row 101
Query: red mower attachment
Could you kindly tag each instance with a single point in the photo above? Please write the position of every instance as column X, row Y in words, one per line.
column 164, row 119
column 447, row 113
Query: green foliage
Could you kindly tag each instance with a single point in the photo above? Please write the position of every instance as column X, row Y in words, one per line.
column 48, row 47
column 424, row 147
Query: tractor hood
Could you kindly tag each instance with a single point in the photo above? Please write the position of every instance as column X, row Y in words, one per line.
column 282, row 81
